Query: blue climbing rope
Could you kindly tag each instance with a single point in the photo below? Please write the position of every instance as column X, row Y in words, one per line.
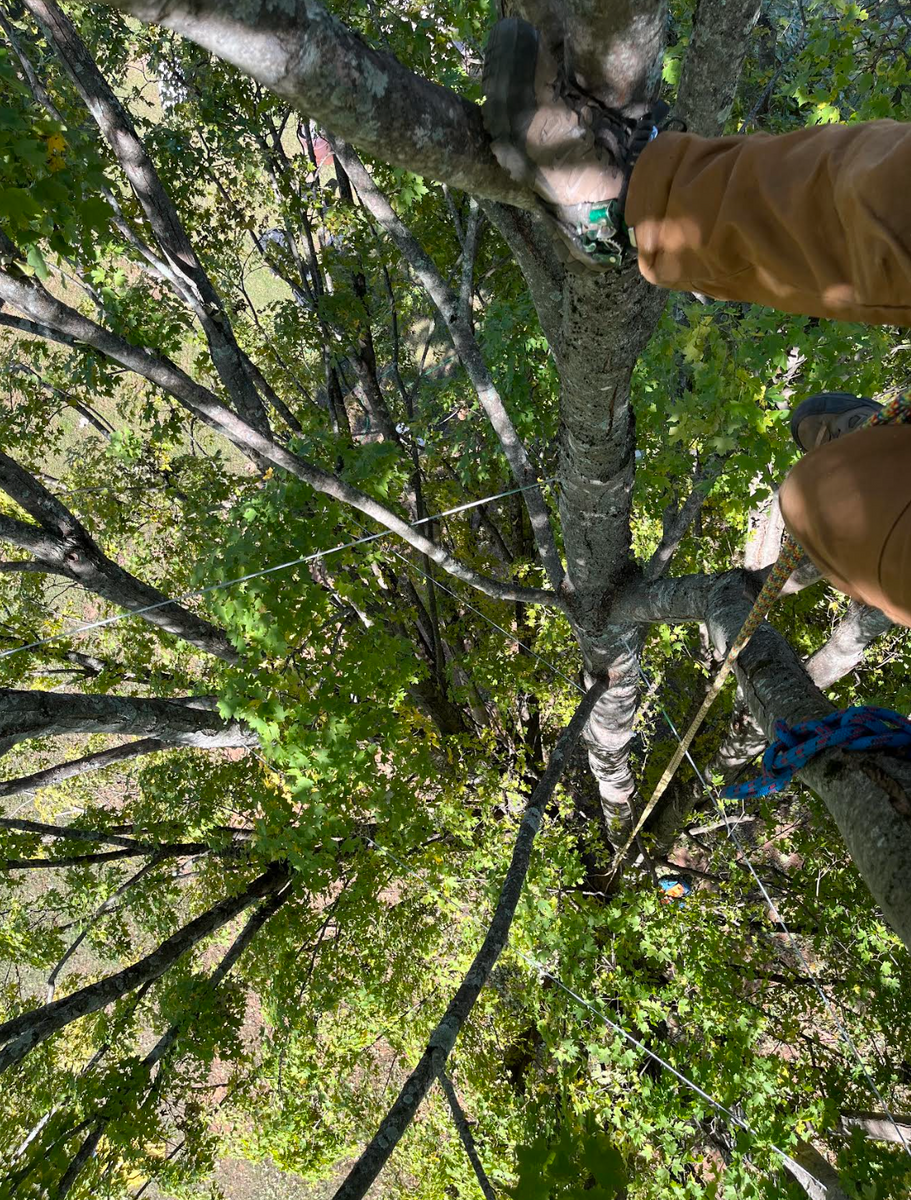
column 863, row 727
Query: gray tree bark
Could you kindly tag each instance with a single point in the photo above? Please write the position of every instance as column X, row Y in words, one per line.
column 844, row 651
column 869, row 796
column 815, row 1174
column 713, row 64
column 61, row 545
column 28, row 714
column 80, row 766
column 21, row 1034
column 170, row 1037
column 877, row 1126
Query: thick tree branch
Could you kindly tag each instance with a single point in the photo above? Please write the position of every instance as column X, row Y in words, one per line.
column 665, row 601
column 595, row 360
column 22, row 568
column 711, row 71
column 29, row 1029
column 869, row 796
column 815, row 1174
column 80, row 766
column 859, row 627
column 29, row 537
column 64, row 547
column 877, row 1126
column 36, row 329
column 169, row 850
column 28, row 714
column 306, row 55
column 33, row 299
column 458, row 326
column 443, row 1037
column 842, row 653
column 72, row 832
column 170, row 1037
column 610, row 728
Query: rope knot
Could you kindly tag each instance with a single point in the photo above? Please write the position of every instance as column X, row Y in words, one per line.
column 862, row 727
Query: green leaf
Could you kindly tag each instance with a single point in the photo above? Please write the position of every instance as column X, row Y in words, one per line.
column 35, row 260
column 18, row 206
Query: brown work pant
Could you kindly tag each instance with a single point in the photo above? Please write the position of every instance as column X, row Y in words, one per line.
column 815, row 222
column 849, row 505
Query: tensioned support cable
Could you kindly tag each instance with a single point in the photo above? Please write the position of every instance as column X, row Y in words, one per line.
column 293, row 562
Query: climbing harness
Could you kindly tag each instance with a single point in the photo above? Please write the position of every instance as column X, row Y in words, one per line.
column 863, row 727
column 896, row 411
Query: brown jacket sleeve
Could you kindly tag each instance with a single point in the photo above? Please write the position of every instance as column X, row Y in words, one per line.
column 815, row 222
column 849, row 505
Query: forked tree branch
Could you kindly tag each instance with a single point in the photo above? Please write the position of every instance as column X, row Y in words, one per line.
column 170, row 1037
column 21, row 1034
column 63, row 546
column 442, row 1039
column 306, row 55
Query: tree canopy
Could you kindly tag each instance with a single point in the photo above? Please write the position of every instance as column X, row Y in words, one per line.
column 360, row 568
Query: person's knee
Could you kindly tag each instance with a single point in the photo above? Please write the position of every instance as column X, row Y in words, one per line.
column 848, row 504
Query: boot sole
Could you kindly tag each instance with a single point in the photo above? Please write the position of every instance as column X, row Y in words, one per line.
column 510, row 63
column 510, row 67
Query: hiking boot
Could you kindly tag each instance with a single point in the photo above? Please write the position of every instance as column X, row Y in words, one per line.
column 829, row 415
column 573, row 151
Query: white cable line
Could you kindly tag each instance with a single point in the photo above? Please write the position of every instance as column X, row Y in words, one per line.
column 294, row 562
column 716, row 1104
column 792, row 941
column 744, row 1125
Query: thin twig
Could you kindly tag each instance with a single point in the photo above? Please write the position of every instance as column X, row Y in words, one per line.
column 461, row 1124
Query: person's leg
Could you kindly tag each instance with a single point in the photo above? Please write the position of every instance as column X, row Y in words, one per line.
column 814, row 222
column 848, row 504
